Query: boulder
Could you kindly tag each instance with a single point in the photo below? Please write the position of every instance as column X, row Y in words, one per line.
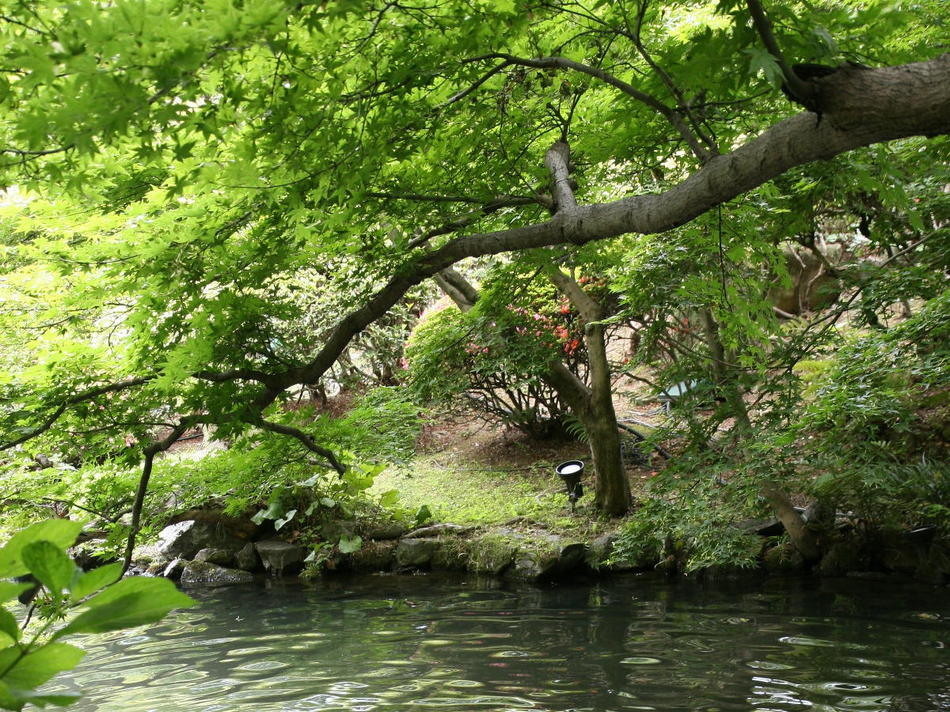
column 599, row 552
column 201, row 573
column 247, row 559
column 221, row 557
column 238, row 527
column 385, row 531
column 185, row 539
column 548, row 559
column 281, row 557
column 415, row 553
column 491, row 554
column 146, row 555
column 438, row 530
column 174, row 569
column 373, row 556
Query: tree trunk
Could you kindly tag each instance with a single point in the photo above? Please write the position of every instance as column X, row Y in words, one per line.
column 801, row 536
column 723, row 373
column 594, row 405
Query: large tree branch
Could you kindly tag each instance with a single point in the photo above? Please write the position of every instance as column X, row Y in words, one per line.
column 865, row 106
column 305, row 439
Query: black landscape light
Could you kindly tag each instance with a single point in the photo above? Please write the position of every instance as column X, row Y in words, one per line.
column 571, row 472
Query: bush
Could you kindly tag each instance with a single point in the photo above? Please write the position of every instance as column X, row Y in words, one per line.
column 689, row 515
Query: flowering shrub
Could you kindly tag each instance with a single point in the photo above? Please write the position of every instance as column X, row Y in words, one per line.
column 493, row 358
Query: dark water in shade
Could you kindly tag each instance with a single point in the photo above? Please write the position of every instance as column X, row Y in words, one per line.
column 424, row 643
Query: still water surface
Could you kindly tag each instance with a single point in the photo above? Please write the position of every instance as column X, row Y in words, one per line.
column 425, row 644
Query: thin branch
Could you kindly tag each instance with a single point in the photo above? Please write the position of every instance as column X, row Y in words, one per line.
column 150, row 452
column 801, row 90
column 305, row 440
column 455, row 98
column 73, row 400
column 700, row 151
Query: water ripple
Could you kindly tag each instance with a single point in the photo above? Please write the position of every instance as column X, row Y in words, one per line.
column 358, row 646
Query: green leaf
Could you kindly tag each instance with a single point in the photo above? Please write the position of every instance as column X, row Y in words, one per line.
column 389, row 498
column 60, row 532
column 92, row 581
column 9, row 590
column 8, row 625
column 423, row 514
column 42, row 700
column 129, row 603
column 349, row 544
column 50, row 564
column 762, row 61
column 36, row 667
column 278, row 523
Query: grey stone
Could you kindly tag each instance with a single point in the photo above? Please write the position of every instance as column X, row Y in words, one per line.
column 600, row 550
column 185, row 539
column 385, row 531
column 174, row 569
column 438, row 530
column 415, row 553
column 247, row 559
column 491, row 554
column 221, row 557
column 147, row 554
column 762, row 527
column 201, row 573
column 550, row 559
column 373, row 556
column 281, row 557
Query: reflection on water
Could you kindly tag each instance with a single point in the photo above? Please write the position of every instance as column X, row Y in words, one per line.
column 424, row 643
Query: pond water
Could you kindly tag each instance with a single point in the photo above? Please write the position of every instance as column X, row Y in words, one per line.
column 426, row 643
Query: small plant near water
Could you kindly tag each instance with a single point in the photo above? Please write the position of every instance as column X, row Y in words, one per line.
column 71, row 602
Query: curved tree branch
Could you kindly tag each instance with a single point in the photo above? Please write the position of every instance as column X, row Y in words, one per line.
column 74, row 400
column 305, row 440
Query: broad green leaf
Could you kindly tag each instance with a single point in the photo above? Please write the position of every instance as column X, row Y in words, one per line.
column 278, row 523
column 349, row 544
column 128, row 606
column 423, row 514
column 9, row 590
column 41, row 700
column 59, row 532
column 389, row 498
column 50, row 564
column 8, row 625
column 92, row 581
column 36, row 667
column 9, row 700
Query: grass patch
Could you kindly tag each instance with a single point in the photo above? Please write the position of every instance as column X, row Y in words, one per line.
column 483, row 495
